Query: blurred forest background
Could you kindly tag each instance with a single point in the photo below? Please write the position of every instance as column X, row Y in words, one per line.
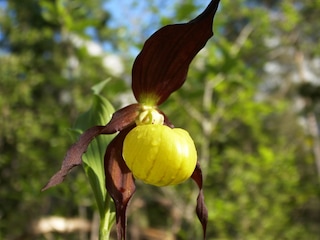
column 251, row 102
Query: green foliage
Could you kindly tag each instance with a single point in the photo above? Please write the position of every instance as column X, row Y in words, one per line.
column 93, row 160
column 42, row 93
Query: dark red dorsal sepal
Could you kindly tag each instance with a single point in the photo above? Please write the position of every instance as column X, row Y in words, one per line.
column 162, row 65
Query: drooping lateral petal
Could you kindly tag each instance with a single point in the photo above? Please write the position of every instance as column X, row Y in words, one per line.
column 119, row 181
column 162, row 65
column 120, row 119
column 201, row 209
column 73, row 156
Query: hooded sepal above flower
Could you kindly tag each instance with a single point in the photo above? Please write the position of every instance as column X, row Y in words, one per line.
column 162, row 65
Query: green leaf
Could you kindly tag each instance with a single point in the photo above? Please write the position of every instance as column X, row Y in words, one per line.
column 48, row 11
column 99, row 114
column 98, row 87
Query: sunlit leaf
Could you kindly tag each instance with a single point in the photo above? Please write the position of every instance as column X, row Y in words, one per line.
column 99, row 87
column 99, row 114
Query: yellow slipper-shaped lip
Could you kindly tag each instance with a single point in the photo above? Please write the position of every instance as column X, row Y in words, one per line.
column 159, row 155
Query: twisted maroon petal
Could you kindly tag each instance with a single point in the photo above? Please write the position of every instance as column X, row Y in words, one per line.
column 120, row 120
column 161, row 67
column 201, row 209
column 119, row 181
column 166, row 120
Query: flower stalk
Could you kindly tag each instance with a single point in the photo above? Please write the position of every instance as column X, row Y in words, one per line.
column 107, row 220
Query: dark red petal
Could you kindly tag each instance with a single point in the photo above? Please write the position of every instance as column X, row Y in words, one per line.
column 162, row 66
column 73, row 156
column 119, row 181
column 120, row 119
column 166, row 120
column 201, row 208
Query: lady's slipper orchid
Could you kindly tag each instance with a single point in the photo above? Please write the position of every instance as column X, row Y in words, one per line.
column 148, row 147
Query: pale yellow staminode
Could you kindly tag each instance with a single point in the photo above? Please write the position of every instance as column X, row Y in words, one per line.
column 149, row 115
column 159, row 155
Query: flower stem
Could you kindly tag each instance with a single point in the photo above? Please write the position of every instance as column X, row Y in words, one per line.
column 107, row 220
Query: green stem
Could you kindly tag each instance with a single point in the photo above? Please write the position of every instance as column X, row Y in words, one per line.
column 107, row 220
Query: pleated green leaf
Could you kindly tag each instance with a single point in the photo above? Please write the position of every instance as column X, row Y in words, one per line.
column 100, row 113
